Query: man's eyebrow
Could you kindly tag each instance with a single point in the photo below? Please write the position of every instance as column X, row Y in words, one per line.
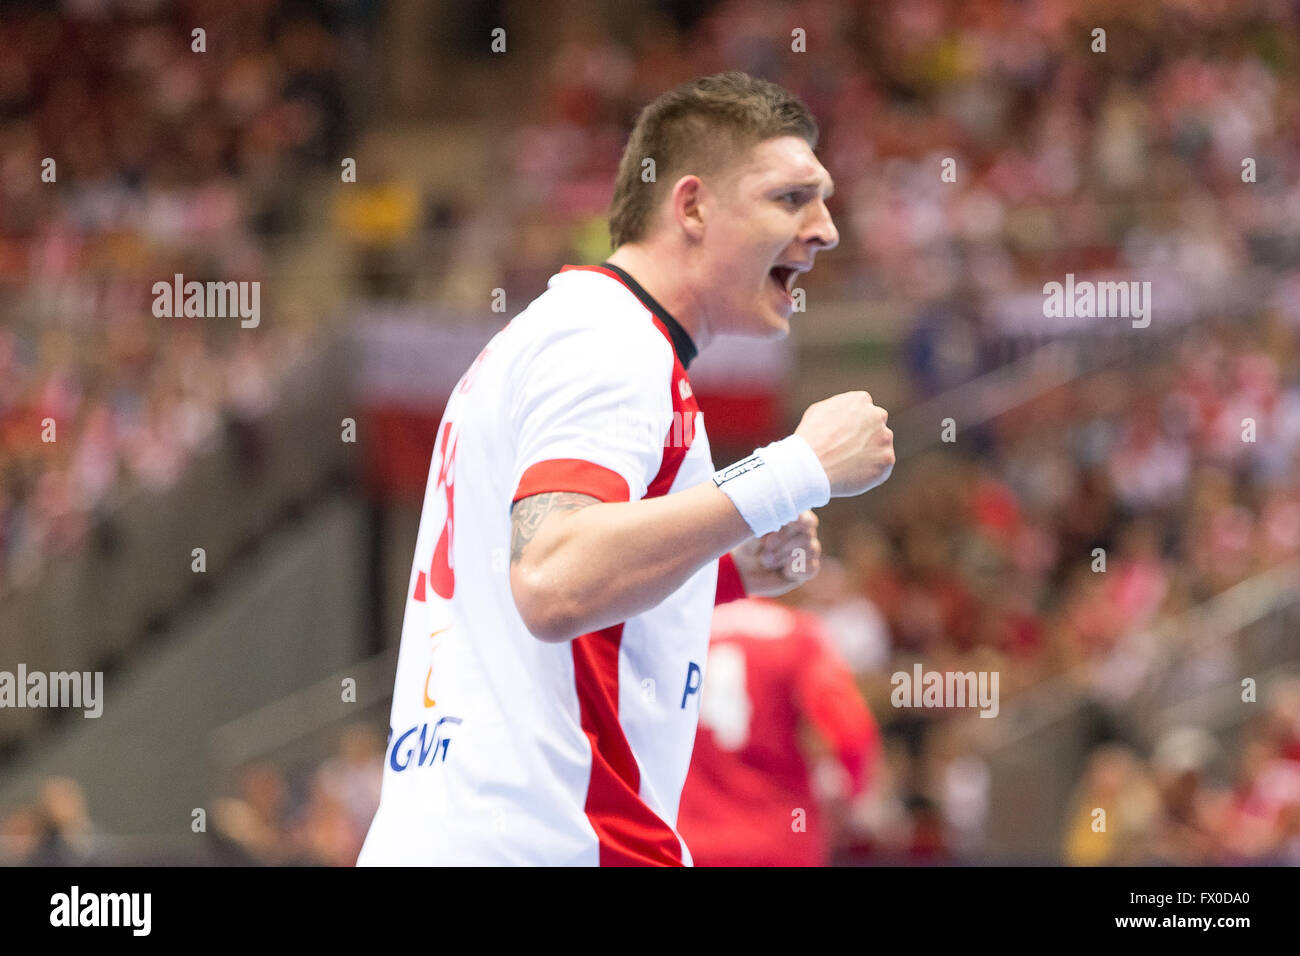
column 812, row 184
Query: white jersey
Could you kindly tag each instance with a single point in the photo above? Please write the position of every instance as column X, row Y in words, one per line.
column 502, row 748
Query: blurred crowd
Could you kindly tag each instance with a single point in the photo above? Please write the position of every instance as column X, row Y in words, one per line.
column 1115, row 503
column 313, row 818
column 1195, row 799
column 1180, row 466
column 1191, row 799
column 1182, row 470
column 1066, row 158
column 273, row 815
column 1192, row 804
column 166, row 159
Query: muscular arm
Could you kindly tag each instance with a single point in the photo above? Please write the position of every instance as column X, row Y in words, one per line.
column 578, row 564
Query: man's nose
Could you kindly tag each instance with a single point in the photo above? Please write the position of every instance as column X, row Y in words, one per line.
column 821, row 230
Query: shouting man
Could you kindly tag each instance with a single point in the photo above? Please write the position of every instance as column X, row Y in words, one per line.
column 575, row 535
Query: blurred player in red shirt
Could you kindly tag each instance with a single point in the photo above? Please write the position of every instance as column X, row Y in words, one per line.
column 772, row 677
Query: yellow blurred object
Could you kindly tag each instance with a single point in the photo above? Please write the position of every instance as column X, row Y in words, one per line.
column 378, row 215
column 591, row 239
column 1083, row 845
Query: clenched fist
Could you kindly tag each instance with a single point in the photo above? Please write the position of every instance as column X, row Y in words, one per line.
column 849, row 436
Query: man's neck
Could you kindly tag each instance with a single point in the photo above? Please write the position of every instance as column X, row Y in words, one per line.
column 666, row 286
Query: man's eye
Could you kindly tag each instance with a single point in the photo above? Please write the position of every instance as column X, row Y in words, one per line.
column 793, row 198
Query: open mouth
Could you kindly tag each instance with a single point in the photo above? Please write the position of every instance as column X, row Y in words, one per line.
column 784, row 277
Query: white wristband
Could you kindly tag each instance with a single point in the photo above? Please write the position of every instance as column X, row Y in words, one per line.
column 773, row 485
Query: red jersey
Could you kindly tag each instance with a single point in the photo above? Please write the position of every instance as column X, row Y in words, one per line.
column 748, row 799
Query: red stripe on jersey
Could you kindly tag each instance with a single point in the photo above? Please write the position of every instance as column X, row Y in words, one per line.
column 730, row 585
column 681, row 433
column 630, row 833
column 572, row 474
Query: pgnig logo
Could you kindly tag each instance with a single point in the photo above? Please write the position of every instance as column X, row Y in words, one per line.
column 424, row 750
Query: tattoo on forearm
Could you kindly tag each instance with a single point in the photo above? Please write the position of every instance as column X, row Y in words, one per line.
column 527, row 515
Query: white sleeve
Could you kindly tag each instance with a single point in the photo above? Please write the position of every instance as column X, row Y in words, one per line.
column 590, row 413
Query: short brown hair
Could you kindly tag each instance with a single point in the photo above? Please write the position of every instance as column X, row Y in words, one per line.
column 700, row 127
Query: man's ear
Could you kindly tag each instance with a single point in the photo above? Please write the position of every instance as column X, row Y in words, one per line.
column 688, row 199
